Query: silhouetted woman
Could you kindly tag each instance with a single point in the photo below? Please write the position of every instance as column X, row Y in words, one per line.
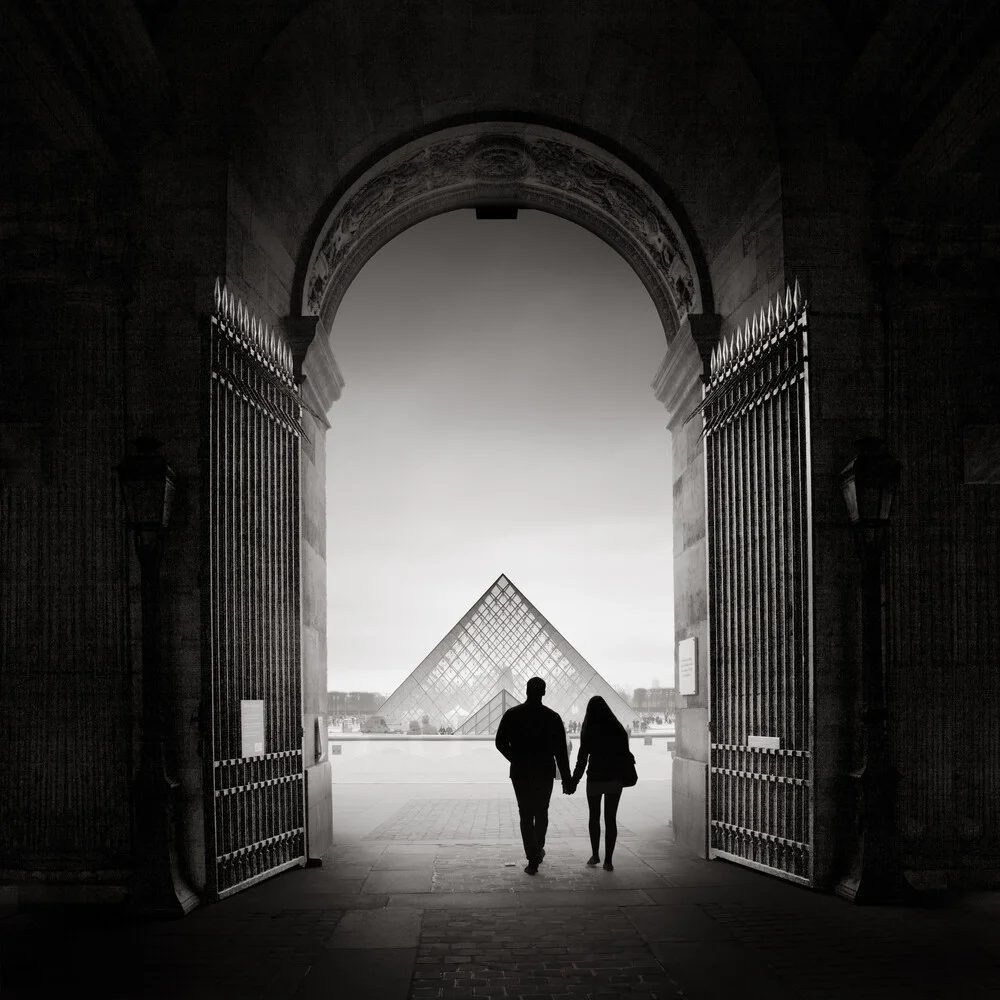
column 604, row 741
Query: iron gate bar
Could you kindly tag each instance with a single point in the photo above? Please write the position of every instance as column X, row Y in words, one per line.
column 256, row 827
column 757, row 552
column 755, row 414
column 736, row 432
column 806, row 557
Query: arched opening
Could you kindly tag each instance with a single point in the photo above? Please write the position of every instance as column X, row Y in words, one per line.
column 493, row 166
column 496, row 419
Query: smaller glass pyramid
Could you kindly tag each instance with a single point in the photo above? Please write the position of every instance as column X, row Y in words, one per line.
column 488, row 717
column 488, row 657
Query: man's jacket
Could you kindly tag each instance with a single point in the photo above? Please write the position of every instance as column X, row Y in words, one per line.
column 533, row 738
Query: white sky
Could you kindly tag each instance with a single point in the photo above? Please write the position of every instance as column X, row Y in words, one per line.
column 497, row 418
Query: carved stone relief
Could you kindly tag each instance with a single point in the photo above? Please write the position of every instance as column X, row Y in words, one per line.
column 530, row 166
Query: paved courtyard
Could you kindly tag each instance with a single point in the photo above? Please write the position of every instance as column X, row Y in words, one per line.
column 424, row 896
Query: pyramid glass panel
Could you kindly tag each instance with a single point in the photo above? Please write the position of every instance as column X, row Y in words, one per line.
column 486, row 720
column 499, row 644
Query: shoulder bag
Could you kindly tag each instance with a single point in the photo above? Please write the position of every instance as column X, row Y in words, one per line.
column 629, row 774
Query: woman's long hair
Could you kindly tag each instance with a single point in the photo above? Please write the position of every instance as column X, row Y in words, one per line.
column 599, row 721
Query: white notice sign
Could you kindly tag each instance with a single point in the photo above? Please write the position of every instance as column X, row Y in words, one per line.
column 687, row 666
column 252, row 727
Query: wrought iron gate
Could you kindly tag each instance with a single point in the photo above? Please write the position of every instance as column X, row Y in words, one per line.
column 254, row 687
column 756, row 426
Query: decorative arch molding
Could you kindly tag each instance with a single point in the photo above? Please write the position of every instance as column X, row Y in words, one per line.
column 527, row 165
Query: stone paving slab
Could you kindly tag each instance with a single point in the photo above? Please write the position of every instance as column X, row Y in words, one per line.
column 456, row 900
column 387, row 928
column 395, row 861
column 680, row 922
column 572, row 897
column 365, row 974
column 480, row 818
column 396, row 881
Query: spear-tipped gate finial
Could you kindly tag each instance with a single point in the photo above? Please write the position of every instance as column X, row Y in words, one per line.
column 263, row 342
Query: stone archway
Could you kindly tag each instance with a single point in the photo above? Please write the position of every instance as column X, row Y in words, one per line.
column 516, row 164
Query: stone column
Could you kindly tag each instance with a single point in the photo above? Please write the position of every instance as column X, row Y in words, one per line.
column 321, row 384
column 678, row 386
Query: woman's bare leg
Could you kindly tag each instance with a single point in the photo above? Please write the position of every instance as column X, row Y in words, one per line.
column 594, row 826
column 611, row 800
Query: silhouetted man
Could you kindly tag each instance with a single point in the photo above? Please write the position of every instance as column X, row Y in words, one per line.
column 533, row 738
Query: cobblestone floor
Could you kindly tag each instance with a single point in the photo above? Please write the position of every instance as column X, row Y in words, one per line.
column 558, row 951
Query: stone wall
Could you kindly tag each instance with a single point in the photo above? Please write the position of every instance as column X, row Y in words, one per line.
column 181, row 218
column 745, row 271
column 943, row 587
column 828, row 248
column 67, row 694
column 678, row 387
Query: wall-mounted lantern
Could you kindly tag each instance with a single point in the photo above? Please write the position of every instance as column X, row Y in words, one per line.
column 148, row 485
column 869, row 483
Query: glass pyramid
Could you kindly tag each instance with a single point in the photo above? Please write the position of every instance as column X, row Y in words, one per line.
column 500, row 642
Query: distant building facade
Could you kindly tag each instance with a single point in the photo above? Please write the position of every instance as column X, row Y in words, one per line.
column 654, row 700
column 341, row 703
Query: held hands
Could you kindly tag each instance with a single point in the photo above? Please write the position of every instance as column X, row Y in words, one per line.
column 569, row 787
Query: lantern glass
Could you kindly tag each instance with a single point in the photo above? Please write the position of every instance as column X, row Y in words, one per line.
column 869, row 483
column 148, row 485
column 850, row 495
column 870, row 501
column 144, row 499
column 885, row 510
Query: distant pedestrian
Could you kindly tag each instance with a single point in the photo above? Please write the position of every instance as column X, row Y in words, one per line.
column 533, row 738
column 604, row 743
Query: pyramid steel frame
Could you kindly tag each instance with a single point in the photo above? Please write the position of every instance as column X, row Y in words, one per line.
column 494, row 648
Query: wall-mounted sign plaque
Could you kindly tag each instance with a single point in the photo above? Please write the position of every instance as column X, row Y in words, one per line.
column 764, row 742
column 252, row 727
column 687, row 666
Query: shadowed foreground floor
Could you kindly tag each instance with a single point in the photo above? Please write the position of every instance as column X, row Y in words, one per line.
column 399, row 917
